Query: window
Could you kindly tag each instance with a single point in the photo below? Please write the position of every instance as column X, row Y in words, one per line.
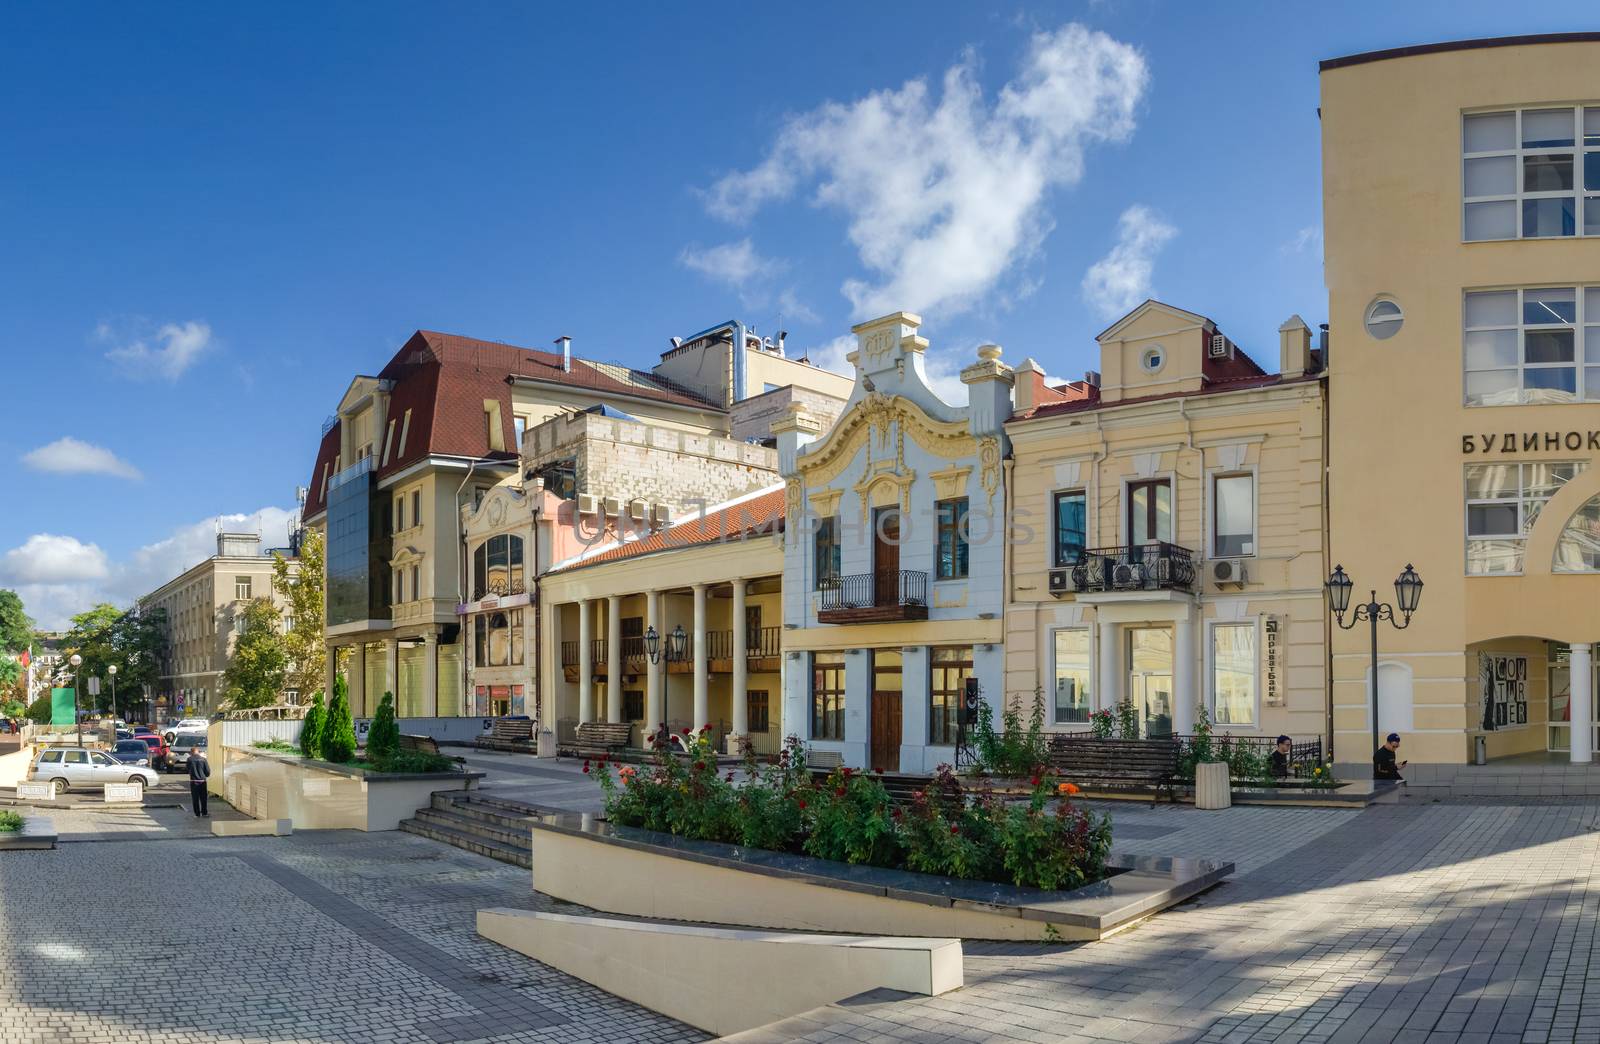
column 756, row 710
column 1578, row 547
column 497, row 567
column 399, row 513
column 1233, row 673
column 241, row 587
column 1532, row 346
column 1384, row 319
column 1072, row 526
column 827, row 550
column 1503, row 502
column 77, row 757
column 952, row 666
column 416, row 507
column 399, row 586
column 497, row 639
column 827, row 696
column 1233, row 516
column 767, row 387
column 1153, row 359
column 1531, row 173
column 416, row 586
column 519, row 424
column 1074, row 690
column 632, row 700
column 952, row 545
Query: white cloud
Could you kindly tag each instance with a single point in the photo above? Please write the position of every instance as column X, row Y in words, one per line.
column 168, row 352
column 734, row 264
column 70, row 456
column 793, row 310
column 944, row 192
column 57, row 576
column 1306, row 239
column 1120, row 280
column 941, row 368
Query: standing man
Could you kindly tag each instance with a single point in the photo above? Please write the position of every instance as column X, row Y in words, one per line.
column 1383, row 762
column 199, row 772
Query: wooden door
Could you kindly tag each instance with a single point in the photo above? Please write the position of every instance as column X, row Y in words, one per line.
column 884, row 752
column 1149, row 512
column 886, row 555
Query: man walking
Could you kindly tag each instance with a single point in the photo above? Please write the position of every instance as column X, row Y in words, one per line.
column 199, row 772
column 1384, row 765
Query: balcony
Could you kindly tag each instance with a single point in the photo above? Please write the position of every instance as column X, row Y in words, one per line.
column 762, row 652
column 873, row 597
column 1154, row 567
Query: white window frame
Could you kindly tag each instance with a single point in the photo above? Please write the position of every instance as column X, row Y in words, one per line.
column 1094, row 676
column 1522, row 500
column 1210, row 496
column 1583, row 323
column 247, row 587
column 1576, row 150
column 1211, row 672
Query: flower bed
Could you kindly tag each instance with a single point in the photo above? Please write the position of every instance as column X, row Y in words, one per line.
column 1047, row 842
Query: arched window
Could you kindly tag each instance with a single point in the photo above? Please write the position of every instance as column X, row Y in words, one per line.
column 497, row 567
column 1578, row 547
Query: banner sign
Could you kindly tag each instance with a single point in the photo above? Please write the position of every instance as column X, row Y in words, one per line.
column 63, row 707
column 1274, row 664
column 1503, row 681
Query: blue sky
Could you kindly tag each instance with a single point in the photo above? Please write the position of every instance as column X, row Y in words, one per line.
column 211, row 216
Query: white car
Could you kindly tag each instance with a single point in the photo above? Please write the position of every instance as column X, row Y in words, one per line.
column 67, row 767
column 186, row 727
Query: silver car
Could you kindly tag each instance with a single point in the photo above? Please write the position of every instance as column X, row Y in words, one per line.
column 73, row 766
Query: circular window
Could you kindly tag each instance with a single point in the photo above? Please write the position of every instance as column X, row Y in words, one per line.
column 1153, row 359
column 1384, row 319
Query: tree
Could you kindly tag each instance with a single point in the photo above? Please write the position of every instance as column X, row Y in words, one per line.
column 39, row 709
column 92, row 636
column 132, row 640
column 302, row 596
column 256, row 670
column 383, row 738
column 16, row 629
column 311, row 730
column 10, row 671
column 339, row 734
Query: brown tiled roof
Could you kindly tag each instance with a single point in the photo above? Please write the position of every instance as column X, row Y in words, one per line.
column 1260, row 380
column 760, row 515
column 325, row 454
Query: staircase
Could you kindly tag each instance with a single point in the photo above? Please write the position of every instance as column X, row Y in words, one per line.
column 488, row 826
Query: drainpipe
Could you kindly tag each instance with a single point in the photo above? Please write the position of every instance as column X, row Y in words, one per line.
column 537, row 659
column 1327, row 555
column 461, row 585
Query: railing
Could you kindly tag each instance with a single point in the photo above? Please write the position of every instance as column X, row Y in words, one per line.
column 1157, row 566
column 882, row 589
column 764, row 641
column 597, row 650
column 633, row 647
column 719, row 645
column 569, row 654
column 1247, row 756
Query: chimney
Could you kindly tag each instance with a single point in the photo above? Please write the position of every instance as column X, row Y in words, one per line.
column 1294, row 347
column 1029, row 377
column 565, row 344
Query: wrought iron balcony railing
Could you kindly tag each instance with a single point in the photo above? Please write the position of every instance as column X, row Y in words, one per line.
column 1156, row 566
column 890, row 594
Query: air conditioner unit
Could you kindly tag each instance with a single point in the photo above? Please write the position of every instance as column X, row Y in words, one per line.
column 661, row 514
column 1228, row 571
column 588, row 504
column 1127, row 574
column 638, row 510
column 1061, row 582
column 1219, row 347
column 613, row 507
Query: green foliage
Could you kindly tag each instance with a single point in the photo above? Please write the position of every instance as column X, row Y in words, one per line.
column 302, row 598
column 383, row 738
column 135, row 642
column 39, row 710
column 16, row 629
column 13, row 709
column 312, row 728
column 849, row 819
column 276, row 746
column 416, row 761
column 10, row 822
column 1015, row 750
column 255, row 675
column 1127, row 719
column 339, row 734
column 10, row 671
column 1102, row 724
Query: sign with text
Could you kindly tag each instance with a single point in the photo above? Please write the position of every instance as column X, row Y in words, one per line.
column 1503, row 681
column 42, row 790
column 1530, row 442
column 124, row 792
column 1274, row 665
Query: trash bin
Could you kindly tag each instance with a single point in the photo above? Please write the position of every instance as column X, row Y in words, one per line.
column 1480, row 750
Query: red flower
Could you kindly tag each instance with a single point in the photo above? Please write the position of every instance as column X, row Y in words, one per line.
column 699, row 766
column 801, row 804
column 586, row 764
column 916, row 795
column 1034, row 781
column 955, row 829
column 838, row 791
column 730, row 777
column 894, row 814
column 586, row 768
column 847, row 771
column 686, row 730
column 651, row 738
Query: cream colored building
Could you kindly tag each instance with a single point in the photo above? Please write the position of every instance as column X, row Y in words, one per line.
column 203, row 608
column 1462, row 233
column 1167, row 514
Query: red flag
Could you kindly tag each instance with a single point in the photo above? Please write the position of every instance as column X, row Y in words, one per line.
column 25, row 658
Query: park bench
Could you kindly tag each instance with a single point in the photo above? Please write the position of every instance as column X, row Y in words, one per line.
column 596, row 738
column 514, row 735
column 429, row 745
column 1116, row 764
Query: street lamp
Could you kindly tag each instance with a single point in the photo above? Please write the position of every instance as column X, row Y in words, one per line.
column 112, row 670
column 652, row 643
column 1407, row 593
column 77, row 719
column 680, row 643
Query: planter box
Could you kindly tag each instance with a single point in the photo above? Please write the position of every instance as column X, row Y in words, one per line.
column 641, row 873
column 319, row 795
column 37, row 833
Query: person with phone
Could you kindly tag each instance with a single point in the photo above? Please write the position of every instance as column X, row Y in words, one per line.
column 1383, row 761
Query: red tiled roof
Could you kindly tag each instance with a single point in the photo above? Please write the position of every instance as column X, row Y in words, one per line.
column 760, row 515
column 1262, row 380
column 325, row 454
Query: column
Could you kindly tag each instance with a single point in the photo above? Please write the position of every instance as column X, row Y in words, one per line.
column 585, row 665
column 430, row 675
column 741, row 668
column 1185, row 694
column 1581, row 707
column 357, row 682
column 1111, row 667
column 391, row 670
column 654, row 713
column 330, row 667
column 702, row 698
column 613, row 658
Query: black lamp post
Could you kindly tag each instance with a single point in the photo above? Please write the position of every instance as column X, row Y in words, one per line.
column 680, row 643
column 1407, row 593
column 652, row 643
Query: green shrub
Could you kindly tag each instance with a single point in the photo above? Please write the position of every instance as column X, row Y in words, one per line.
column 10, row 822
column 412, row 761
column 276, row 746
column 339, row 732
column 1015, row 750
column 39, row 710
column 383, row 738
column 849, row 818
column 1127, row 719
column 312, row 728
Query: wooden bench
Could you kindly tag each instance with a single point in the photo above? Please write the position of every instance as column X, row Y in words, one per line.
column 1116, row 763
column 428, row 745
column 600, row 737
column 513, row 734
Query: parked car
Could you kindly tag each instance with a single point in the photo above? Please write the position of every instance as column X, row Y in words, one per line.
column 144, row 730
column 124, row 734
column 188, row 726
column 68, row 767
column 131, row 752
column 158, row 750
column 182, row 747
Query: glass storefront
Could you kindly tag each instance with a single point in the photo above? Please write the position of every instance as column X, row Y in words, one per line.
column 1150, row 678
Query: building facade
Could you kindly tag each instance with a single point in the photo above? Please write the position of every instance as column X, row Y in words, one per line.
column 1168, row 519
column 894, row 555
column 1462, row 259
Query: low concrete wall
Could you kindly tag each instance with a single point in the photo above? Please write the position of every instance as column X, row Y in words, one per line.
column 316, row 795
column 441, row 730
column 718, row 979
column 14, row 766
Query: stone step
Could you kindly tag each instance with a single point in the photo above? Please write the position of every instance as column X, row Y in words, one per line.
column 467, row 842
column 492, row 813
column 515, row 836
